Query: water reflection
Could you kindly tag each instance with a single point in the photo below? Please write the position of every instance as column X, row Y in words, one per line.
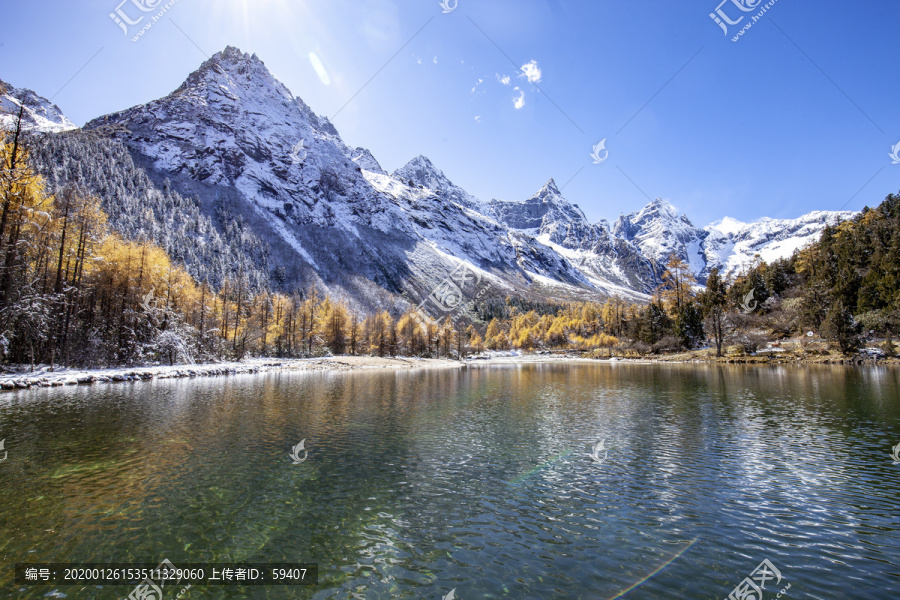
column 481, row 480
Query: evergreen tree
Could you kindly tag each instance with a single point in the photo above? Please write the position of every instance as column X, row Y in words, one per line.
column 713, row 301
column 840, row 327
column 689, row 324
column 654, row 324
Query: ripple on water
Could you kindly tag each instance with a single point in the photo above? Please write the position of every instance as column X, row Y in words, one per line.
column 478, row 481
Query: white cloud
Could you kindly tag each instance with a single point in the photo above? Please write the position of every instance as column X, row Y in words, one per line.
column 504, row 79
column 478, row 118
column 477, row 83
column 519, row 101
column 531, row 71
column 435, row 60
column 419, row 60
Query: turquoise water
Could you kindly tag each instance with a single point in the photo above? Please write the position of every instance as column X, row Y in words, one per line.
column 480, row 481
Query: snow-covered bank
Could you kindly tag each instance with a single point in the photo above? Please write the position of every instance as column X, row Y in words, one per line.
column 44, row 377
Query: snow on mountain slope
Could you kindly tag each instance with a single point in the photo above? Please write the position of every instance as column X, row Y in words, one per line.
column 659, row 232
column 732, row 245
column 728, row 244
column 607, row 262
column 235, row 139
column 366, row 161
column 39, row 114
column 421, row 172
column 545, row 213
column 233, row 135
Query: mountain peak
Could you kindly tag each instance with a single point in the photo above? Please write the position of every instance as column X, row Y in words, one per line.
column 547, row 211
column 659, row 232
column 234, row 51
column 230, row 62
column 230, row 121
column 660, row 206
column 422, row 172
column 550, row 194
column 234, row 56
column 422, row 161
column 551, row 188
column 38, row 113
column 365, row 160
column 658, row 213
column 241, row 82
column 727, row 226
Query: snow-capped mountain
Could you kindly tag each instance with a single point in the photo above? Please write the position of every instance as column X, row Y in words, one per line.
column 606, row 260
column 732, row 245
column 547, row 212
column 233, row 134
column 366, row 161
column 728, row 244
column 421, row 172
column 236, row 141
column 660, row 232
column 38, row 113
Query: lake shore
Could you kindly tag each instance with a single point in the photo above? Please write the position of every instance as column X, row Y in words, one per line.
column 43, row 376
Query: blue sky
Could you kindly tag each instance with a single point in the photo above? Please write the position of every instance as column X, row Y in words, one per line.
column 800, row 114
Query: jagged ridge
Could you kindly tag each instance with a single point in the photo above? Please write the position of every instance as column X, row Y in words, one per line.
column 235, row 139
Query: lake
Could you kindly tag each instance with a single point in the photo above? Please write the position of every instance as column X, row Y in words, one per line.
column 478, row 483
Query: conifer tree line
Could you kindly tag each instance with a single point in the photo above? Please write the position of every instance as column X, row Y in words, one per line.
column 845, row 287
column 212, row 248
column 75, row 291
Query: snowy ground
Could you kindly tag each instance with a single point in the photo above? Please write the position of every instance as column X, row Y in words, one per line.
column 44, row 377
